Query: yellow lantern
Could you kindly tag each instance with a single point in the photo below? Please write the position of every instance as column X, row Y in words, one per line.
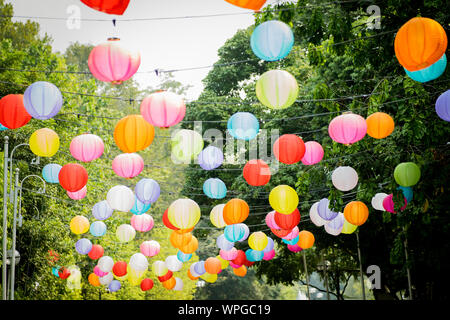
column 283, row 199
column 184, row 213
column 44, row 142
column 134, row 276
column 159, row 268
column 79, row 225
column 348, row 228
column 208, row 277
column 216, row 216
column 224, row 263
column 258, row 241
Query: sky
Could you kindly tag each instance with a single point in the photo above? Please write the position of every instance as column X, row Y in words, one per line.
column 163, row 44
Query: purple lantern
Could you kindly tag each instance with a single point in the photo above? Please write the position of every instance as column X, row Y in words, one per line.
column 147, row 190
column 324, row 211
column 223, row 243
column 42, row 100
column 270, row 245
column 210, row 158
column 114, row 286
column 199, row 267
column 83, row 246
column 334, row 227
column 101, row 210
column 443, row 106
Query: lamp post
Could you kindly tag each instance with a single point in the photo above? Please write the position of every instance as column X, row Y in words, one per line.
column 360, row 266
column 11, row 159
column 324, row 267
column 306, row 273
column 5, row 218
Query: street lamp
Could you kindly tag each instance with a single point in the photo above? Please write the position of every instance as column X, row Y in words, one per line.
column 324, row 266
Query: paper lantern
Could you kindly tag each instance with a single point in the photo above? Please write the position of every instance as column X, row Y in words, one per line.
column 183, row 257
column 287, row 221
column 140, row 207
column 294, row 248
column 190, row 274
column 419, row 43
column 163, row 109
column 125, row 233
column 79, row 225
column 356, row 213
column 87, row 147
column 180, row 239
column 44, row 142
column 407, row 174
column 78, row 195
column 106, row 280
column 116, row 7
column 228, row 254
column 94, row 280
column 99, row 272
column 216, row 216
column 234, row 232
column 248, row 4
column 344, row 178
column 281, row 232
column 138, row 262
column 313, row 153
column 314, row 215
column 241, row 271
column 210, row 158
column 293, row 233
column 132, row 134
column 223, row 243
column 98, row 228
column 190, row 247
column 335, row 226
column 258, row 241
column 101, row 210
column 72, row 177
column 305, row 239
column 214, row 188
column 42, row 100
column 96, row 252
column 235, row 211
column 442, row 106
column 169, row 284
column 429, row 73
column 246, row 232
column 213, row 265
column 142, row 223
column 289, row 149
column 178, row 284
column 120, row 268
column 240, row 258
column 135, row 276
column 269, row 255
column 186, row 145
column 150, row 248
column 110, row 62
column 243, row 126
column 83, row 246
column 347, row 128
column 50, row 172
column 199, row 268
column 120, row 198
column 256, row 172
column 253, row 255
column 13, row 114
column 184, row 213
column 272, row 40
column 379, row 125
column 114, row 286
column 388, row 204
column 105, row 263
column 407, row 193
column 348, row 228
column 166, row 221
column 211, row 278
column 3, row 128
column 277, row 89
column 377, row 201
column 283, row 199
column 291, row 241
column 147, row 190
column 270, row 220
column 146, row 284
column 324, row 210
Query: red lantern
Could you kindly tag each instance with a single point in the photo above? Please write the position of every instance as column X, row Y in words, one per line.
column 240, row 258
column 256, row 172
column 289, row 148
column 73, row 177
column 96, row 252
column 117, row 7
column 166, row 277
column 64, row 273
column 13, row 114
column 248, row 263
column 146, row 284
column 120, row 268
column 166, row 221
column 280, row 233
column 287, row 221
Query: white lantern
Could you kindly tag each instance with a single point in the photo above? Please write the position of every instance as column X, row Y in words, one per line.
column 105, row 280
column 120, row 198
column 192, row 270
column 314, row 215
column 178, row 284
column 173, row 264
column 344, row 178
column 377, row 201
column 335, row 226
column 125, row 233
column 159, row 268
column 138, row 262
column 105, row 263
column 216, row 216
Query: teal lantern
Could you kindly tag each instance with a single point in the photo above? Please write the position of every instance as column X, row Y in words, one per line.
column 272, row 40
column 243, row 126
column 407, row 174
column 140, row 207
column 407, row 193
column 97, row 228
column 254, row 255
column 50, row 172
column 430, row 73
column 215, row 188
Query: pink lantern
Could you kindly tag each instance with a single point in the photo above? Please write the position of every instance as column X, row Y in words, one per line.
column 87, row 147
column 163, row 109
column 270, row 221
column 128, row 165
column 347, row 128
column 388, row 204
column 292, row 234
column 150, row 248
column 110, row 62
column 269, row 255
column 99, row 272
column 294, row 247
column 228, row 254
column 234, row 265
column 78, row 195
column 313, row 153
column 143, row 222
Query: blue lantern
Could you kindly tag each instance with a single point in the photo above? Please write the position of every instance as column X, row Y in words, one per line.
column 215, row 188
column 42, row 100
column 291, row 242
column 223, row 243
column 272, row 40
column 234, row 232
column 430, row 73
column 243, row 126
column 254, row 255
column 98, row 228
column 147, row 190
column 246, row 232
column 50, row 172
column 140, row 207
column 114, row 286
column 101, row 210
column 407, row 192
column 210, row 158
column 184, row 257
column 3, row 128
column 442, row 106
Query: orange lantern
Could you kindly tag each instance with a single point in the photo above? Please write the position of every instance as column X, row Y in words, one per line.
column 190, row 247
column 213, row 265
column 356, row 213
column 235, row 211
column 132, row 133
column 180, row 239
column 169, row 284
column 248, row 4
column 94, row 280
column 379, row 125
column 305, row 239
column 241, row 271
column 191, row 276
column 419, row 43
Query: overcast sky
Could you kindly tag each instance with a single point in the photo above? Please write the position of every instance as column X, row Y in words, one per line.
column 163, row 44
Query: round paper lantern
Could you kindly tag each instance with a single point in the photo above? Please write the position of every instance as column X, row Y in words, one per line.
column 3, row 128
column 183, row 257
column 114, row 286
column 429, row 73
column 419, row 43
column 184, row 213
column 94, row 280
column 87, row 147
column 377, row 201
column 199, row 268
column 256, row 172
column 96, row 252
column 132, row 133
column 344, row 178
column 101, row 210
column 407, row 193
column 292, row 241
column 150, row 248
column 105, row 263
column 313, row 153
column 163, row 109
column 281, row 232
column 442, row 106
column 292, row 234
column 388, row 204
column 98, row 228
column 241, row 271
column 110, row 62
column 379, row 125
column 335, row 226
column 79, row 225
column 347, row 128
column 270, row 245
column 138, row 262
column 283, row 199
column 106, row 280
column 246, row 232
column 120, row 268
column 253, row 255
column 213, row 265
column 116, row 7
column 216, row 216
column 234, row 232
column 240, row 258
column 248, row 4
column 258, row 241
column 142, row 223
column 178, row 284
column 13, row 114
column 134, row 276
column 146, row 284
column 270, row 220
column 269, row 255
column 120, row 198
column 180, row 239
column 324, row 211
column 42, row 100
column 214, row 188
column 272, row 40
column 99, row 272
column 348, row 228
column 211, row 278
column 287, row 221
column 314, row 215
column 166, row 221
column 50, row 172
column 191, row 275
column 78, row 195
column 243, row 126
column 125, row 233
column 228, row 254
column 407, row 174
column 140, row 207
column 289, row 148
column 147, row 190
column 223, row 243
column 44, row 142
column 210, row 158
column 186, row 145
column 72, row 177
column 305, row 239
column 83, row 246
column 169, row 284
column 235, row 211
column 190, row 247
column 277, row 89
column 294, row 248
column 356, row 213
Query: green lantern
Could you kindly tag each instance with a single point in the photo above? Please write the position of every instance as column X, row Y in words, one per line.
column 407, row 174
column 348, row 228
column 277, row 89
